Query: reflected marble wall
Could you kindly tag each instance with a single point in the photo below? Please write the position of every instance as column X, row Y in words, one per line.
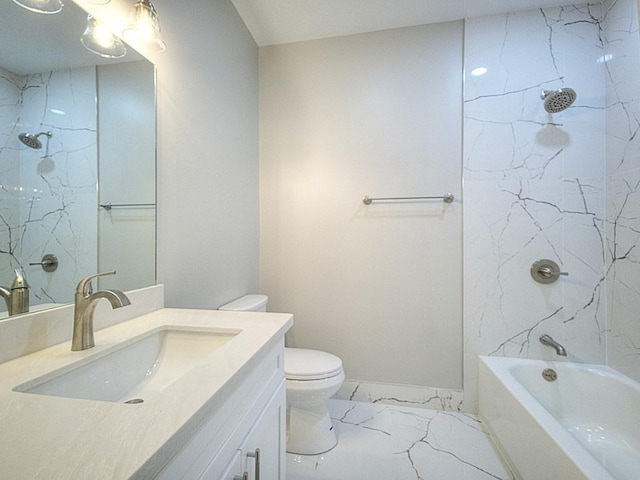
column 622, row 74
column 48, row 199
column 534, row 186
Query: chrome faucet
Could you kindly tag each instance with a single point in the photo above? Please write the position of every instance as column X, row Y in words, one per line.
column 550, row 342
column 86, row 302
column 17, row 297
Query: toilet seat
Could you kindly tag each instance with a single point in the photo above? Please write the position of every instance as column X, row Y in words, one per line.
column 306, row 364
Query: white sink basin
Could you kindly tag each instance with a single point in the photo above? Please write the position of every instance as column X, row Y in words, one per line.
column 135, row 370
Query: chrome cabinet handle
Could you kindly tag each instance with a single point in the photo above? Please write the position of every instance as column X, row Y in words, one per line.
column 256, row 455
column 245, row 476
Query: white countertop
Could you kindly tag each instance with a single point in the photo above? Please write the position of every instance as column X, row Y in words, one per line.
column 46, row 437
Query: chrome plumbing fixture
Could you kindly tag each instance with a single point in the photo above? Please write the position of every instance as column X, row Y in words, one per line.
column 549, row 374
column 49, row 262
column 446, row 198
column 546, row 271
column 550, row 342
column 85, row 304
column 17, row 297
column 32, row 141
column 556, row 101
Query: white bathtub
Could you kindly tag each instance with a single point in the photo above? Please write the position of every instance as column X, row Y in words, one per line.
column 584, row 425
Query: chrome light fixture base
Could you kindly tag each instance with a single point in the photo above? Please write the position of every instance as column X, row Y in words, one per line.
column 143, row 30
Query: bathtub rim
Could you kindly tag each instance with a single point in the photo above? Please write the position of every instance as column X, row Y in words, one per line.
column 575, row 452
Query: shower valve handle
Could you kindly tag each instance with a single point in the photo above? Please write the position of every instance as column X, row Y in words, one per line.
column 49, row 262
column 546, row 271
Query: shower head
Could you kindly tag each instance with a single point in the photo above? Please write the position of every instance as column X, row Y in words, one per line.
column 32, row 141
column 556, row 101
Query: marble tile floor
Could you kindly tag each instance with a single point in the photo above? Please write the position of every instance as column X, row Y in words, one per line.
column 388, row 442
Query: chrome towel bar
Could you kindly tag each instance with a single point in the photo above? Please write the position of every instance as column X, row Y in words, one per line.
column 446, row 198
column 109, row 206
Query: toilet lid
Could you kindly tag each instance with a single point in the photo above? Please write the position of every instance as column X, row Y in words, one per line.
column 305, row 364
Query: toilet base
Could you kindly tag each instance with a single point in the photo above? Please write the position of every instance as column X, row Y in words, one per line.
column 309, row 430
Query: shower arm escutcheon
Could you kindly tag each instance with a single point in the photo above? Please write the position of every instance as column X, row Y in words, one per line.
column 546, row 271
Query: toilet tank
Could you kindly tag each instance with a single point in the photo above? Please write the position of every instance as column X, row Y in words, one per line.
column 248, row 303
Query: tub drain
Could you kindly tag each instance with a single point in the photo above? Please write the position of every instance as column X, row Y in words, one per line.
column 135, row 400
column 549, row 375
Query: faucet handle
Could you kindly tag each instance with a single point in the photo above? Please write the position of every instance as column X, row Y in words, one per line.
column 84, row 286
column 19, row 281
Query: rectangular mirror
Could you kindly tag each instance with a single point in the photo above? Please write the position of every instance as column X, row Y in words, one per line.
column 77, row 131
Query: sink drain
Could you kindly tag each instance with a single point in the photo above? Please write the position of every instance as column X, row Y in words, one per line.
column 135, row 400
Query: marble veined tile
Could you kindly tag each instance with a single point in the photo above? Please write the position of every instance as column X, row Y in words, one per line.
column 385, row 442
column 406, row 395
column 534, row 186
column 47, row 194
column 623, row 186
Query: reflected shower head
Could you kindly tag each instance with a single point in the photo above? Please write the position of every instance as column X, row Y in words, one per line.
column 556, row 101
column 32, row 141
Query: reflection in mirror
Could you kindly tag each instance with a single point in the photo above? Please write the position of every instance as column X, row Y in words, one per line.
column 76, row 131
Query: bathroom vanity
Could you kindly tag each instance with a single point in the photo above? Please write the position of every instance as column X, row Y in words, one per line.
column 215, row 409
column 245, row 435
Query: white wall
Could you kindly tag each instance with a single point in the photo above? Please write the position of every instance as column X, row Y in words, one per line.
column 208, row 184
column 374, row 114
column 207, row 151
column 207, row 155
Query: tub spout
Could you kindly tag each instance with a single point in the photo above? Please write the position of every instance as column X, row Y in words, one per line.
column 547, row 340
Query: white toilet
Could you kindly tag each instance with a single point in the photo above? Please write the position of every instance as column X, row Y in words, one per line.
column 312, row 377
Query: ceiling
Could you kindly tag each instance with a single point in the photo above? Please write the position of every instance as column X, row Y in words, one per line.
column 32, row 43
column 283, row 21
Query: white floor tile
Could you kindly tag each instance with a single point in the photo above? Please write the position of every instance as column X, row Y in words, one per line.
column 385, row 442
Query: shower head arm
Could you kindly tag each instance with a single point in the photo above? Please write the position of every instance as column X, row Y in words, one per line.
column 32, row 141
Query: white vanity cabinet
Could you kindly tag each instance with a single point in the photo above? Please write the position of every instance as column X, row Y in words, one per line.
column 243, row 435
column 260, row 455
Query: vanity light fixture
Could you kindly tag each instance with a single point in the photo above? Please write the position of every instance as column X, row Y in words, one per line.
column 41, row 6
column 99, row 39
column 143, row 30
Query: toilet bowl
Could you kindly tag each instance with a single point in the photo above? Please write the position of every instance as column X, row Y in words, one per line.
column 312, row 377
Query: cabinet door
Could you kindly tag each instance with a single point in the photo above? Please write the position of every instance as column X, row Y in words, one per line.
column 264, row 447
column 233, row 471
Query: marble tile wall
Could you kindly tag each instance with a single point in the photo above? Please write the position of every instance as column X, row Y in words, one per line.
column 534, row 186
column 432, row 398
column 48, row 198
column 622, row 71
